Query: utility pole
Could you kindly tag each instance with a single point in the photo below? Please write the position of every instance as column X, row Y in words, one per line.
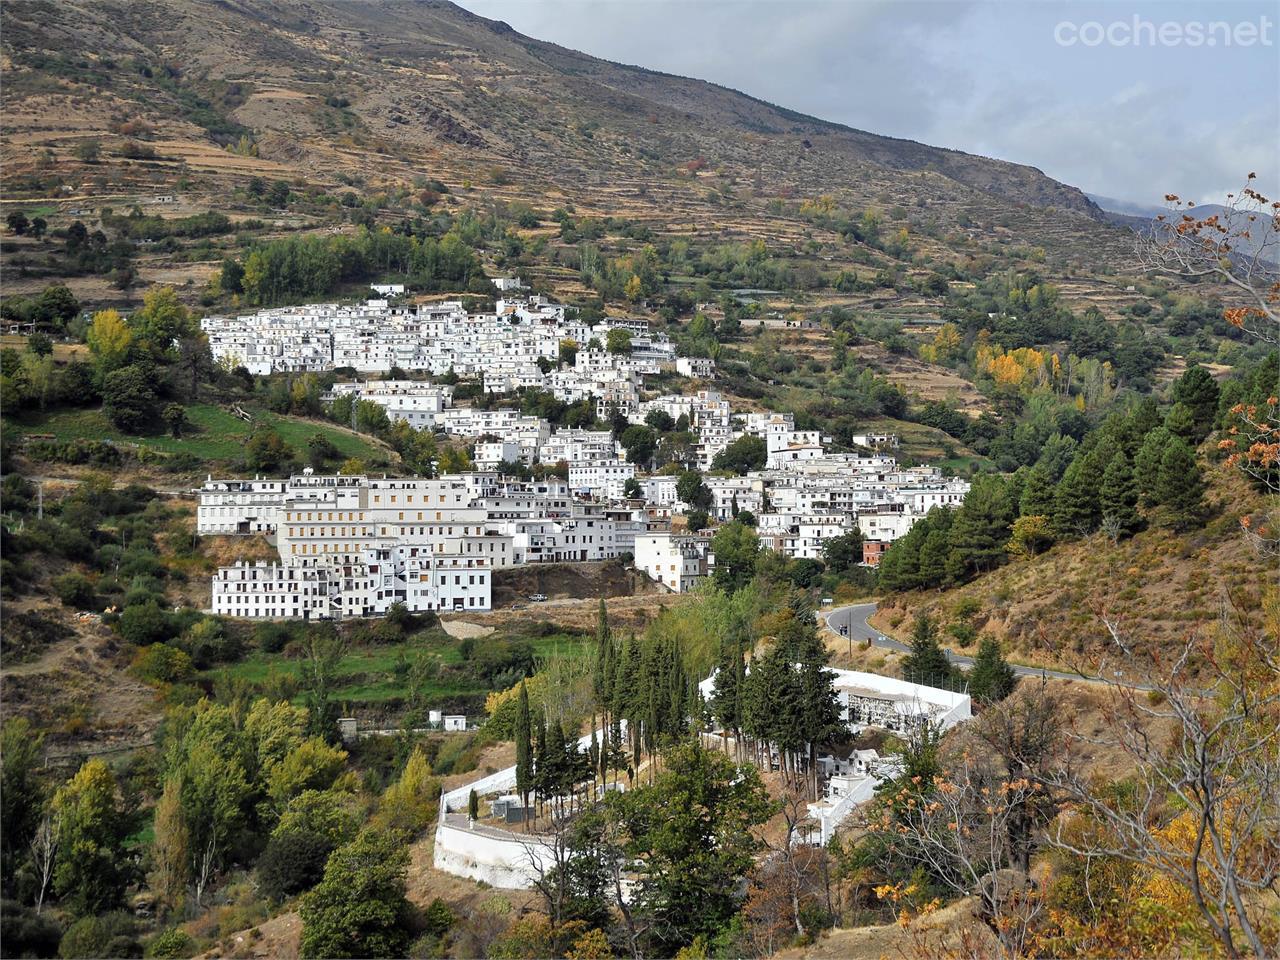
column 39, row 499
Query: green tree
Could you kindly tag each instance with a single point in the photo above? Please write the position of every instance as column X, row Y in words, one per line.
column 321, row 451
column 736, row 549
column 640, row 442
column 161, row 322
column 324, row 653
column 266, row 451
column 689, row 837
column 1146, row 464
column 524, row 748
column 991, row 679
column 741, row 456
column 618, row 341
column 90, row 840
column 1118, row 498
column 935, row 554
column 170, row 850
column 40, row 344
column 111, row 935
column 1037, row 494
column 175, row 417
column 1076, row 510
column 1198, row 392
column 359, row 909
column 128, row 399
column 980, row 529
column 691, row 490
column 22, row 794
column 843, row 553
column 1179, row 489
column 1180, row 421
column 926, row 664
column 660, row 420
column 145, row 623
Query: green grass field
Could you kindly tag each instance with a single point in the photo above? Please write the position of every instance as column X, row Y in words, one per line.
column 215, row 434
column 378, row 674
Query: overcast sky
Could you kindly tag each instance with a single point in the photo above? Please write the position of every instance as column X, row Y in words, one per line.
column 1120, row 120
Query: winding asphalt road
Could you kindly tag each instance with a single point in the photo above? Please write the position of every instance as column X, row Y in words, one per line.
column 852, row 622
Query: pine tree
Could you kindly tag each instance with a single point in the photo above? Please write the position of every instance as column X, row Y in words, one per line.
column 1181, row 422
column 1037, row 495
column 1076, row 510
column 934, row 553
column 926, row 664
column 1146, row 464
column 524, row 749
column 980, row 529
column 1198, row 392
column 991, row 679
column 1119, row 497
column 1179, row 487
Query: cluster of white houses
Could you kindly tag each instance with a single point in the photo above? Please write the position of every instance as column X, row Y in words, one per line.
column 353, row 546
column 518, row 345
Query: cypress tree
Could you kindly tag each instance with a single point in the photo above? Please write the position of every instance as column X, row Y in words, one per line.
column 725, row 691
column 1146, row 464
column 541, row 760
column 1037, row 495
column 926, row 664
column 819, row 707
column 991, row 679
column 603, row 643
column 1119, row 496
column 1179, row 487
column 524, row 749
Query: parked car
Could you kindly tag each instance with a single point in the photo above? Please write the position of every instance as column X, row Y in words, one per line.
column 537, row 597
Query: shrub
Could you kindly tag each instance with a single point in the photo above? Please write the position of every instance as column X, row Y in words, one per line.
column 170, row 945
column 143, row 624
column 26, row 933
column 271, row 637
column 292, row 862
column 75, row 590
column 161, row 663
column 110, row 935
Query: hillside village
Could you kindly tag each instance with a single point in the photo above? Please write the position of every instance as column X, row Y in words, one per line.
column 354, row 545
column 463, row 497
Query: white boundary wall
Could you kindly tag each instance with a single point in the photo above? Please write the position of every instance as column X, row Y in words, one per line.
column 479, row 855
column 484, row 853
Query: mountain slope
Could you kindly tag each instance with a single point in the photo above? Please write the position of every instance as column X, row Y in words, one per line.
column 433, row 82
